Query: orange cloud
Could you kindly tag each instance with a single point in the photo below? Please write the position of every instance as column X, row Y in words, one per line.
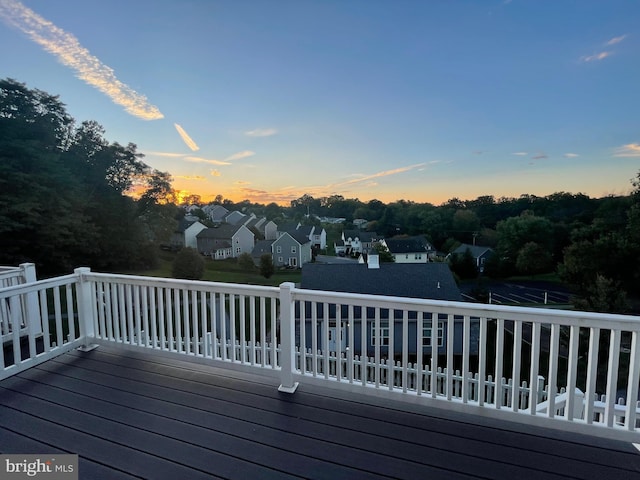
column 629, row 150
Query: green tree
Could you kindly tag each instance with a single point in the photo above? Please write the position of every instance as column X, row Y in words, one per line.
column 62, row 189
column 245, row 261
column 384, row 255
column 464, row 265
column 603, row 295
column 188, row 264
column 534, row 259
column 515, row 232
column 266, row 265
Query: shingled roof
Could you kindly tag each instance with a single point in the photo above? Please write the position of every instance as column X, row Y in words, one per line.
column 408, row 245
column 421, row 280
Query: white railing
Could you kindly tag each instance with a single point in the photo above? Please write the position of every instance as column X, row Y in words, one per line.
column 13, row 314
column 49, row 310
column 487, row 356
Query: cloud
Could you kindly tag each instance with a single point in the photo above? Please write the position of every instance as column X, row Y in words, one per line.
column 520, row 154
column 596, row 56
column 570, row 155
column 166, row 154
column 629, row 150
column 70, row 53
column 215, row 173
column 479, row 152
column 211, row 161
column 261, row 132
column 186, row 138
column 240, row 155
column 615, row 40
column 385, row 173
column 242, row 182
column 190, row 177
column 540, row 156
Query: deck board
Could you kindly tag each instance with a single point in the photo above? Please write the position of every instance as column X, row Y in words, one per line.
column 136, row 414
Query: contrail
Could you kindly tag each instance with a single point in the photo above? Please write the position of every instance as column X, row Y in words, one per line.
column 69, row 52
column 186, row 138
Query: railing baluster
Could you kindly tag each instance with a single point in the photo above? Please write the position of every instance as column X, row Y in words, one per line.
column 498, row 394
column 517, row 356
column 632, row 383
column 574, row 336
column 482, row 362
column 592, row 373
column 553, row 370
column 533, row 371
column 405, row 348
column 612, row 377
column 466, row 334
column 434, row 356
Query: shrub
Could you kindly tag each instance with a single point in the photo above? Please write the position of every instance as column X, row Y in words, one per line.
column 266, row 265
column 188, row 264
column 245, row 262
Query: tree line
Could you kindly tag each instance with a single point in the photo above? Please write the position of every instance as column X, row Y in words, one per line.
column 65, row 190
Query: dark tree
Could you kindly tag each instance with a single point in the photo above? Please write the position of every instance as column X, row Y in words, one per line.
column 188, row 264
column 266, row 265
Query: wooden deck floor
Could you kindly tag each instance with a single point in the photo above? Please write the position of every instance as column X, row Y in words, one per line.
column 136, row 415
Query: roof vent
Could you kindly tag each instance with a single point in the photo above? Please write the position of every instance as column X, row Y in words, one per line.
column 438, row 285
column 373, row 261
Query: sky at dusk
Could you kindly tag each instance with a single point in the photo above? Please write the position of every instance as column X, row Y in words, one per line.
column 267, row 100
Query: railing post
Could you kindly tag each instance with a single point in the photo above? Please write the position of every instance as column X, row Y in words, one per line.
column 85, row 312
column 32, row 314
column 287, row 339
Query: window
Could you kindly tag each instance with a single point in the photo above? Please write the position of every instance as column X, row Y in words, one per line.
column 238, row 249
column 382, row 334
column 426, row 333
column 278, row 249
column 279, row 259
column 293, row 249
column 418, row 256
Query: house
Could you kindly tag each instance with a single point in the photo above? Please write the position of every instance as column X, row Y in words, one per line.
column 225, row 241
column 479, row 254
column 186, row 232
column 235, row 218
column 262, row 247
column 357, row 242
column 409, row 249
column 316, row 235
column 420, row 280
column 215, row 213
column 268, row 229
column 291, row 250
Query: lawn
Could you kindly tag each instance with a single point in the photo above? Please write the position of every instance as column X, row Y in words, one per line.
column 226, row 271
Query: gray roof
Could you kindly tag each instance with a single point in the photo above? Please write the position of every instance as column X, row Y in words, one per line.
column 415, row 280
column 261, row 247
column 365, row 237
column 476, row 251
column 408, row 245
column 183, row 224
column 288, row 227
column 224, row 230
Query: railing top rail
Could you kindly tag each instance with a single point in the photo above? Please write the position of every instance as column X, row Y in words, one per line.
column 238, row 288
column 6, row 270
column 40, row 284
column 527, row 314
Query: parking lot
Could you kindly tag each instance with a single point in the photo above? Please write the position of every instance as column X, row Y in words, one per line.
column 516, row 293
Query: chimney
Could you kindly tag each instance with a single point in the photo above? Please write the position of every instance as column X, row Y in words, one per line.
column 373, row 261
